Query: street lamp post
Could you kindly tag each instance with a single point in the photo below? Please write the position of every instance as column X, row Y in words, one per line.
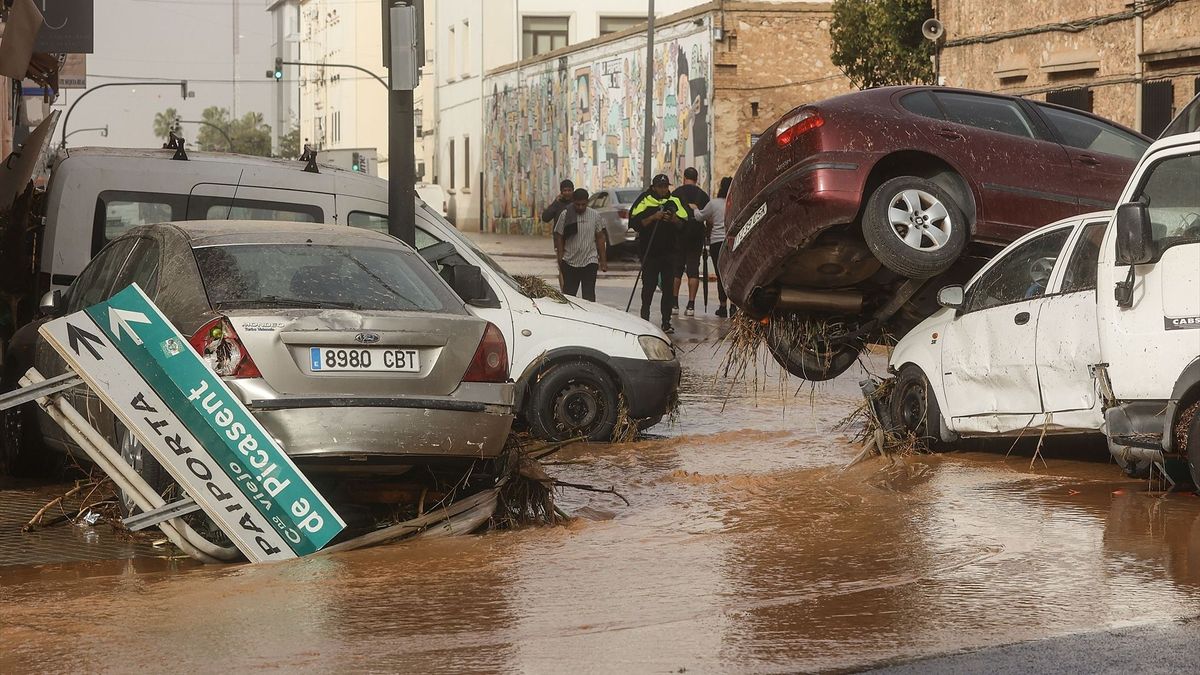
column 182, row 84
column 103, row 131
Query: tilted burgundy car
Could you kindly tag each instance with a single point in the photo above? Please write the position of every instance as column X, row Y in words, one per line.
column 850, row 213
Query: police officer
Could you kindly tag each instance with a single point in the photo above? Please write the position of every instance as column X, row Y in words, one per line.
column 658, row 218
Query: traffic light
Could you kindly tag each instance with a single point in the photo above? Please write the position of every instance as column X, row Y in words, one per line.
column 356, row 162
column 278, row 69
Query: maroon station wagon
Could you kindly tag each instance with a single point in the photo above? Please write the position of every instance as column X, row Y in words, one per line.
column 849, row 214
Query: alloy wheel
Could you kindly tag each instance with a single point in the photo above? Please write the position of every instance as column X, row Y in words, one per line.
column 920, row 220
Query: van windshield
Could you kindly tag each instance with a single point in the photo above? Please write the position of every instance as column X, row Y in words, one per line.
column 1186, row 122
column 1172, row 195
column 466, row 243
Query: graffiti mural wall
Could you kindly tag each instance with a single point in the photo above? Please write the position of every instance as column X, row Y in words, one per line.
column 581, row 117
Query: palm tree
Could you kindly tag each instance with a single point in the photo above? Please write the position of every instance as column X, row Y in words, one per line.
column 165, row 122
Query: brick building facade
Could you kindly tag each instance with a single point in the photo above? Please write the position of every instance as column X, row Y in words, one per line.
column 1137, row 65
column 724, row 71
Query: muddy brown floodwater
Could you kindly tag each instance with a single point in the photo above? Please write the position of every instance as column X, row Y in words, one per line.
column 746, row 547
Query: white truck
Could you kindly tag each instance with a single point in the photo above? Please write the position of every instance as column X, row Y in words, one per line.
column 1091, row 324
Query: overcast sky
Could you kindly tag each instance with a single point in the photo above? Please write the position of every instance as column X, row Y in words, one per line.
column 177, row 39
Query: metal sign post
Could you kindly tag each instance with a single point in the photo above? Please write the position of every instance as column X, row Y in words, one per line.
column 195, row 426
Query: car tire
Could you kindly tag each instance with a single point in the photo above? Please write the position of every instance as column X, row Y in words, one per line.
column 24, row 454
column 159, row 480
column 914, row 227
column 573, row 399
column 914, row 409
column 807, row 363
column 143, row 463
column 1192, row 445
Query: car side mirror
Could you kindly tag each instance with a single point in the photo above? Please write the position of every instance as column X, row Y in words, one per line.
column 951, row 297
column 52, row 303
column 467, row 281
column 436, row 253
column 1135, row 237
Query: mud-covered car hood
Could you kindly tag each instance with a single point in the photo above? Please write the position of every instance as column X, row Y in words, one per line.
column 597, row 314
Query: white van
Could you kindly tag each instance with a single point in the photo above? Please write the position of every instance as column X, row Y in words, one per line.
column 579, row 365
column 1091, row 324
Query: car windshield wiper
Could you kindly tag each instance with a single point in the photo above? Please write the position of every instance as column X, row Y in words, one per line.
column 276, row 301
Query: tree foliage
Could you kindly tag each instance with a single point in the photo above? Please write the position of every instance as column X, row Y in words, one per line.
column 878, row 42
column 249, row 134
column 289, row 144
column 164, row 122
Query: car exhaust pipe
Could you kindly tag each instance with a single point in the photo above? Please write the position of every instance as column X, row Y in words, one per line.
column 1134, row 454
column 838, row 302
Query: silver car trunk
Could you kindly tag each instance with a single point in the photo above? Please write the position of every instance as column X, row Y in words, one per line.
column 281, row 342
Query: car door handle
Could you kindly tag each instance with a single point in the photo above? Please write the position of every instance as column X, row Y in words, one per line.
column 1089, row 160
column 949, row 134
column 1021, row 318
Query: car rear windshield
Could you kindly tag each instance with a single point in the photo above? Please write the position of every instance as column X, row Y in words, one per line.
column 627, row 196
column 322, row 277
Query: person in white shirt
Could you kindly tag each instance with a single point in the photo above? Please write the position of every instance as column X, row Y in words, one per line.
column 580, row 247
column 713, row 215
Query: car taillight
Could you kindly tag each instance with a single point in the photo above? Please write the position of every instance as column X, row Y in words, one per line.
column 490, row 363
column 797, row 125
column 218, row 344
column 623, row 214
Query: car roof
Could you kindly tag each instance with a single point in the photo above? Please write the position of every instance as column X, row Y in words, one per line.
column 200, row 233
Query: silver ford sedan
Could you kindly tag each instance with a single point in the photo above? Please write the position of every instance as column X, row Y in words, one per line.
column 344, row 343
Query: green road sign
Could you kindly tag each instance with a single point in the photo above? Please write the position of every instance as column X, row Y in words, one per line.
column 218, row 420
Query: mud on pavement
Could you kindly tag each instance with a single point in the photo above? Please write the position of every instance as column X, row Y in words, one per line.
column 746, row 546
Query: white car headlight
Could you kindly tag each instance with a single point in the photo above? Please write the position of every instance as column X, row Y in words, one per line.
column 656, row 349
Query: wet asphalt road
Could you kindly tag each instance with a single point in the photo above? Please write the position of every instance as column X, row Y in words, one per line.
column 747, row 547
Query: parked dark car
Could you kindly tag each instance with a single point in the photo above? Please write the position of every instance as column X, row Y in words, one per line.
column 848, row 214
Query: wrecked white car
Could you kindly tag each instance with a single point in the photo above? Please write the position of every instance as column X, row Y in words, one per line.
column 1011, row 350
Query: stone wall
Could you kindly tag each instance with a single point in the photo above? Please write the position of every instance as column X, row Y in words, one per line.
column 772, row 59
column 1105, row 55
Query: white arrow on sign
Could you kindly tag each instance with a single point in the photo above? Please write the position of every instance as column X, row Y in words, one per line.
column 119, row 319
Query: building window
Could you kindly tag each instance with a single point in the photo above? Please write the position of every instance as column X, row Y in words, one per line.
column 418, row 122
column 541, row 34
column 466, row 162
column 450, row 54
column 451, row 163
column 465, row 39
column 1079, row 98
column 616, row 24
column 1158, row 106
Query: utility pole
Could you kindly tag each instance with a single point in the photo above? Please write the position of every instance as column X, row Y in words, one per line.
column 403, row 39
column 648, row 131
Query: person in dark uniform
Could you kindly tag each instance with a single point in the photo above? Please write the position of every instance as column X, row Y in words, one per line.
column 657, row 217
column 691, row 240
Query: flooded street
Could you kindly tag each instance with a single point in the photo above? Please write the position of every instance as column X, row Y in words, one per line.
column 745, row 547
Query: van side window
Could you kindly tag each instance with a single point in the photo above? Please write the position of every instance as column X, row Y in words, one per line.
column 202, row 207
column 118, row 211
column 368, row 221
column 425, row 240
column 1081, row 270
